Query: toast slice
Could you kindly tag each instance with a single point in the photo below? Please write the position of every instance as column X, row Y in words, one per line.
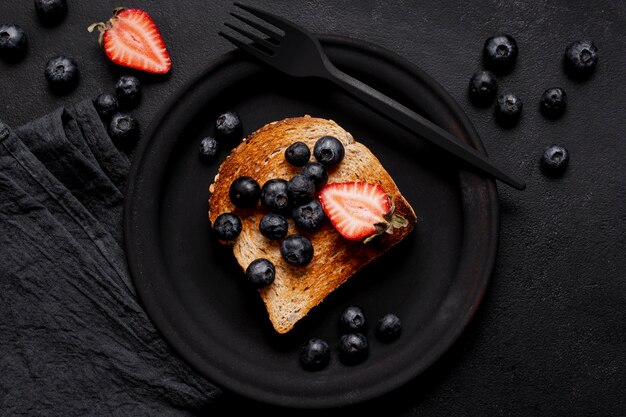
column 298, row 289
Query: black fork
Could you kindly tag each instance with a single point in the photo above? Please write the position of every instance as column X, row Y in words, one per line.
column 297, row 52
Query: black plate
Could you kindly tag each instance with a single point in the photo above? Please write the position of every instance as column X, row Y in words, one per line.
column 194, row 291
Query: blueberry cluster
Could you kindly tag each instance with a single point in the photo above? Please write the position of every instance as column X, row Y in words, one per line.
column 228, row 127
column 353, row 345
column 282, row 199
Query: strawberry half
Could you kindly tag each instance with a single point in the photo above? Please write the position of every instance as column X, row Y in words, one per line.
column 131, row 39
column 359, row 210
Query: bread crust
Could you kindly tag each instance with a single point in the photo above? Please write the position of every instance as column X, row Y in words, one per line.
column 298, row 289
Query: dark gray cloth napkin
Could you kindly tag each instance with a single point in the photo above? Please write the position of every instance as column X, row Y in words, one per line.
column 74, row 340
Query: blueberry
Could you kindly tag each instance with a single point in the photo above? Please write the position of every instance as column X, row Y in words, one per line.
column 316, row 172
column 315, row 354
column 208, row 149
column 352, row 319
column 500, row 52
column 273, row 226
column 483, row 86
column 298, row 154
column 51, row 12
column 580, row 59
column 128, row 91
column 275, row 195
column 388, row 327
column 328, row 151
column 296, row 250
column 106, row 105
column 554, row 160
column 244, row 192
column 227, row 226
column 62, row 73
column 260, row 273
column 353, row 348
column 309, row 216
column 300, row 190
column 508, row 109
column 553, row 102
column 13, row 42
column 124, row 130
column 228, row 126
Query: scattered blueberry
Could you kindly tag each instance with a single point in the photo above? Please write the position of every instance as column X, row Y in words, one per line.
column 500, row 52
column 554, row 160
column 275, row 196
column 508, row 109
column 123, row 130
column 328, row 150
column 353, row 348
column 315, row 354
column 296, row 250
column 51, row 12
column 62, row 73
column 316, row 172
column 300, row 189
column 483, row 86
column 553, row 102
column 208, row 149
column 309, row 216
column 260, row 273
column 388, row 327
column 273, row 226
column 227, row 226
column 128, row 91
column 244, row 192
column 13, row 42
column 228, row 126
column 352, row 319
column 106, row 105
column 580, row 59
column 298, row 154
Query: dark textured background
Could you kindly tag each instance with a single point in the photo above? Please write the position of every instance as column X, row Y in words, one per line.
column 550, row 336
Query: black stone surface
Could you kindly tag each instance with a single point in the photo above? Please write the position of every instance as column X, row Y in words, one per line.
column 549, row 338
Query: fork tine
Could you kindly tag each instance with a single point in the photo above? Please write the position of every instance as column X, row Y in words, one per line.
column 267, row 45
column 252, row 50
column 260, row 28
column 279, row 22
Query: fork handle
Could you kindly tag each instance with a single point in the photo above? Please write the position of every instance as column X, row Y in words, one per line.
column 414, row 123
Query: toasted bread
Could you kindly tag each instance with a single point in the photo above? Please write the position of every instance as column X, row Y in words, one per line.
column 297, row 289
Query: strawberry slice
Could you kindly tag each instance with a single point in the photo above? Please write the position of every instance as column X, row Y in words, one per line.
column 131, row 39
column 359, row 210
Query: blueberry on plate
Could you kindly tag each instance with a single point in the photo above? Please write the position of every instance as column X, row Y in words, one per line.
column 227, row 226
column 309, row 216
column 300, row 189
column 128, row 91
column 228, row 126
column 508, row 109
column 298, row 154
column 51, row 12
column 13, row 42
column 352, row 319
column 553, row 102
column 554, row 160
column 275, row 195
column 353, row 348
column 208, row 149
column 273, row 226
column 483, row 86
column 316, row 172
column 260, row 273
column 500, row 52
column 388, row 327
column 244, row 192
column 296, row 250
column 328, row 150
column 62, row 74
column 315, row 354
column 124, row 130
column 580, row 59
column 106, row 105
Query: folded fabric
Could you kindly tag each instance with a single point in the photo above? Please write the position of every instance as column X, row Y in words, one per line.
column 73, row 336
